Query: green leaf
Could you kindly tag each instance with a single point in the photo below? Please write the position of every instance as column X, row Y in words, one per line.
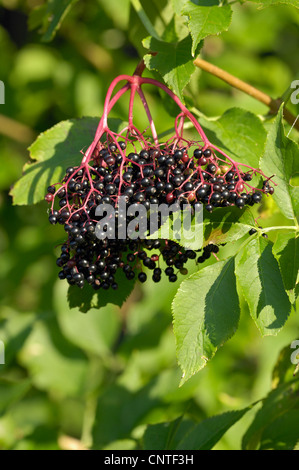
column 49, row 17
column 273, row 422
column 239, row 133
column 96, row 332
column 178, row 5
column 286, row 251
column 222, row 226
column 173, row 62
column 206, row 17
column 187, row 435
column 281, row 158
column 202, row 321
column 284, row 368
column 165, row 436
column 12, row 392
column 87, row 298
column 260, row 280
column 52, row 152
column 282, row 434
column 206, row 434
column 268, row 3
column 129, row 408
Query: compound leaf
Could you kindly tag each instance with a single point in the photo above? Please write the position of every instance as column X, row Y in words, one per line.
column 202, row 321
column 260, row 280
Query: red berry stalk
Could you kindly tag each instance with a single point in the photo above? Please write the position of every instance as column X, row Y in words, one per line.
column 144, row 171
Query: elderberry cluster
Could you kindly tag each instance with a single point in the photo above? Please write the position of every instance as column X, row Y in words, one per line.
column 166, row 174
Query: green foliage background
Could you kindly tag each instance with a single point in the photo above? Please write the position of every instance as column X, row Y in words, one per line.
column 109, row 378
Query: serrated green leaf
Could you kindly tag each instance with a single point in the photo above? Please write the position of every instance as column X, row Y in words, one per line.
column 281, row 158
column 238, row 132
column 174, row 62
column 52, row 152
column 187, row 435
column 260, row 280
column 202, row 321
column 206, row 434
column 206, row 17
column 49, row 17
column 277, row 407
column 286, row 251
column 268, row 3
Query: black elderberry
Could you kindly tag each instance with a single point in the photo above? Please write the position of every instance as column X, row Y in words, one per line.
column 111, row 189
column 52, row 219
column 232, row 197
column 159, row 172
column 190, row 254
column 169, row 271
column 161, row 160
column 211, row 168
column 216, row 197
column 168, row 187
column 208, row 153
column 197, row 153
column 142, row 277
column 240, row 202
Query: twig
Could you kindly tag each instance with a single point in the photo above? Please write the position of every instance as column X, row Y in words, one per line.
column 16, row 130
column 274, row 105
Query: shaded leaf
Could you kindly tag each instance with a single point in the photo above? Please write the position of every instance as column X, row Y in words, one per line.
column 187, row 435
column 173, row 61
column 166, row 436
column 11, row 392
column 87, row 298
column 52, row 153
column 260, row 280
column 286, row 251
column 275, row 412
column 206, row 434
column 281, row 158
column 202, row 321
column 284, row 368
column 224, row 226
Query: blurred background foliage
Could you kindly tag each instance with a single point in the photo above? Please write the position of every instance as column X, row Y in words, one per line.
column 115, row 366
